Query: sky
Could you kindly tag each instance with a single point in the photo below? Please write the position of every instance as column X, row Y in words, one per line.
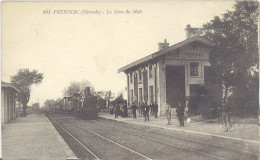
column 89, row 46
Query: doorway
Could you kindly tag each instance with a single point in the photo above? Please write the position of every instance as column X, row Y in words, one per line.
column 175, row 85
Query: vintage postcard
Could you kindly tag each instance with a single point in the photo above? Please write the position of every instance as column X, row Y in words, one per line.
column 130, row 80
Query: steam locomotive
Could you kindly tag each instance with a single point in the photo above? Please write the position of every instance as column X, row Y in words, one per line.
column 84, row 107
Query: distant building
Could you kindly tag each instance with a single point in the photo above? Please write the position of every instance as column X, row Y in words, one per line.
column 8, row 103
column 171, row 74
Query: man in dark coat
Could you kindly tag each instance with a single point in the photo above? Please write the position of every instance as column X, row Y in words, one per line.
column 180, row 113
column 155, row 109
column 134, row 107
column 225, row 115
column 151, row 108
column 146, row 111
column 117, row 109
column 124, row 110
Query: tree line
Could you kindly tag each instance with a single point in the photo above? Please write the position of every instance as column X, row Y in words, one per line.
column 76, row 92
column 235, row 63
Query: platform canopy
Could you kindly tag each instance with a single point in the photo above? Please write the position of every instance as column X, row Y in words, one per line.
column 9, row 85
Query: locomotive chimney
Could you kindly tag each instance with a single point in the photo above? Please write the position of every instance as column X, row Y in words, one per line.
column 87, row 91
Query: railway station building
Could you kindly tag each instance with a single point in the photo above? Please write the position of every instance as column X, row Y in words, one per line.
column 170, row 75
column 8, row 102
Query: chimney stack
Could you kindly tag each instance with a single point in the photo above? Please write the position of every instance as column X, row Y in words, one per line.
column 87, row 91
column 191, row 32
column 163, row 45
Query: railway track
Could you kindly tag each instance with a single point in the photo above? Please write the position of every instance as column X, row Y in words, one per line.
column 158, row 138
column 94, row 133
column 188, row 140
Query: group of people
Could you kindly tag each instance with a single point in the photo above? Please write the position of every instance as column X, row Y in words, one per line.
column 145, row 110
column 120, row 109
column 152, row 109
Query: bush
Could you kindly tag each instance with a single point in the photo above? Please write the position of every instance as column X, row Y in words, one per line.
column 244, row 104
column 205, row 102
column 193, row 106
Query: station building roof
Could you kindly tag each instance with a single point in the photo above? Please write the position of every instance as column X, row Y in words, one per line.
column 165, row 51
column 8, row 85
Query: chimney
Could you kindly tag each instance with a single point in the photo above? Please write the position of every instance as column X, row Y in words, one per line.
column 163, row 45
column 87, row 91
column 191, row 32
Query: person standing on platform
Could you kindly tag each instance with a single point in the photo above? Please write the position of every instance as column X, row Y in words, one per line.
column 155, row 106
column 225, row 115
column 151, row 108
column 134, row 107
column 125, row 110
column 168, row 113
column 142, row 109
column 139, row 109
column 117, row 110
column 180, row 113
column 146, row 111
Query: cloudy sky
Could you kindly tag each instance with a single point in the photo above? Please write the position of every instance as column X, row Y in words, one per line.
column 89, row 46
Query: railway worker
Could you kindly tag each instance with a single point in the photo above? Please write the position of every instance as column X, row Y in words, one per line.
column 142, row 109
column 139, row 109
column 117, row 108
column 168, row 113
column 180, row 113
column 146, row 111
column 151, row 108
column 155, row 108
column 125, row 110
column 225, row 115
column 134, row 107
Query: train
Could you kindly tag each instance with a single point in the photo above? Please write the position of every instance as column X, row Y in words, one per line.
column 82, row 106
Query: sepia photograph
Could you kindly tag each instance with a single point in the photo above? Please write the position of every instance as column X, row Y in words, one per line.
column 130, row 80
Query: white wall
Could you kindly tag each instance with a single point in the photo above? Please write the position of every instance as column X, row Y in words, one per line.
column 181, row 57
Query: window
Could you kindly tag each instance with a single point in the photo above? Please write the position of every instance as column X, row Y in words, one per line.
column 140, row 95
column 151, row 94
column 194, row 69
column 150, row 71
column 132, row 96
column 140, row 75
column 131, row 78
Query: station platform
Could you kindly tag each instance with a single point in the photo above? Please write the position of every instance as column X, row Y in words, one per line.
column 33, row 137
column 247, row 131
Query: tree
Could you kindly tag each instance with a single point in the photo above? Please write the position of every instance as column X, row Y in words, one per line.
column 23, row 81
column 235, row 57
column 77, row 88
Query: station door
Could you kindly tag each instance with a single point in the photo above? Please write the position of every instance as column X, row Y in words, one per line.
column 175, row 85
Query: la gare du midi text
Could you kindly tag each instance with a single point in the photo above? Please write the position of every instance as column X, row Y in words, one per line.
column 97, row 12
